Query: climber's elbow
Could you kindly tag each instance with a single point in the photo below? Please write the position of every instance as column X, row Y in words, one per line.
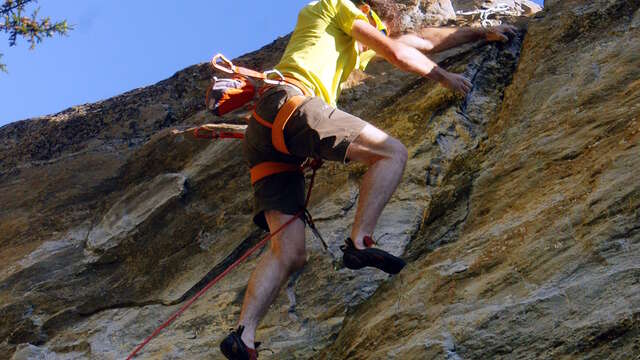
column 410, row 59
column 396, row 56
column 402, row 56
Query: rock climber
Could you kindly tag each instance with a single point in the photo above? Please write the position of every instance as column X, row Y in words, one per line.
column 331, row 39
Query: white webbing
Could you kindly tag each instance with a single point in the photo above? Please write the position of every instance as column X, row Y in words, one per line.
column 487, row 10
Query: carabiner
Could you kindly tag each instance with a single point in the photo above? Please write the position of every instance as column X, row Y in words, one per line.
column 230, row 70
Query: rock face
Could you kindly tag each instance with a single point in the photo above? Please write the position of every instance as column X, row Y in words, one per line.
column 524, row 6
column 519, row 213
column 404, row 15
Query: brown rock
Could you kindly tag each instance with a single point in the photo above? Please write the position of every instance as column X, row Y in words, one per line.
column 518, row 213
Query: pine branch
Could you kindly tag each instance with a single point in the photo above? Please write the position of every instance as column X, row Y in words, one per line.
column 31, row 28
column 10, row 5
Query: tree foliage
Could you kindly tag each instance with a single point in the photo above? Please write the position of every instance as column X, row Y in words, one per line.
column 32, row 28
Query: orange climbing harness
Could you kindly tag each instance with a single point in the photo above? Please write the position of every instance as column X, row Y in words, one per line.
column 225, row 95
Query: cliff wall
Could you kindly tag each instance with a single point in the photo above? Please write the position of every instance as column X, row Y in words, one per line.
column 519, row 212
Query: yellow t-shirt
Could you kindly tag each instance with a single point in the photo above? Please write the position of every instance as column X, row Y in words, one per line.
column 321, row 53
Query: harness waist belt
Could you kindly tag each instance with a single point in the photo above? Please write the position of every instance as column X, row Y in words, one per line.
column 269, row 168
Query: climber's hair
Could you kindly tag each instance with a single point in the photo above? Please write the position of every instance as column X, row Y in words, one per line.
column 386, row 10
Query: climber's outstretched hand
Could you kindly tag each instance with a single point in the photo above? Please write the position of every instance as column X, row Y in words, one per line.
column 500, row 33
column 457, row 83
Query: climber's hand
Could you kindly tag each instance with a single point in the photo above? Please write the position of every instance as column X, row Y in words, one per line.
column 500, row 33
column 457, row 83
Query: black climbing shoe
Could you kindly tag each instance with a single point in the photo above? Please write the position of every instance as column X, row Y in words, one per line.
column 355, row 259
column 234, row 348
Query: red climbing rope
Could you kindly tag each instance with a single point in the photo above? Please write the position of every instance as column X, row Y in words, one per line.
column 314, row 165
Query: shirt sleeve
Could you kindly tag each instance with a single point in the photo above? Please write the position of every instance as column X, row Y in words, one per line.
column 365, row 58
column 346, row 13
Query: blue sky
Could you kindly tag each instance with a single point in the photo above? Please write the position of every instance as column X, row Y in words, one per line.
column 119, row 45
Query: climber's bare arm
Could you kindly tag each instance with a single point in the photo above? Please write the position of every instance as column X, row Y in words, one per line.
column 415, row 41
column 444, row 38
column 431, row 40
column 407, row 57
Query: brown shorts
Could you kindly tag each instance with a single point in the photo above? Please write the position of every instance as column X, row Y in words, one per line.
column 314, row 130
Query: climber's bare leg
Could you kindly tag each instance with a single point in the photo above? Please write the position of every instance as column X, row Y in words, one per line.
column 285, row 256
column 386, row 158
